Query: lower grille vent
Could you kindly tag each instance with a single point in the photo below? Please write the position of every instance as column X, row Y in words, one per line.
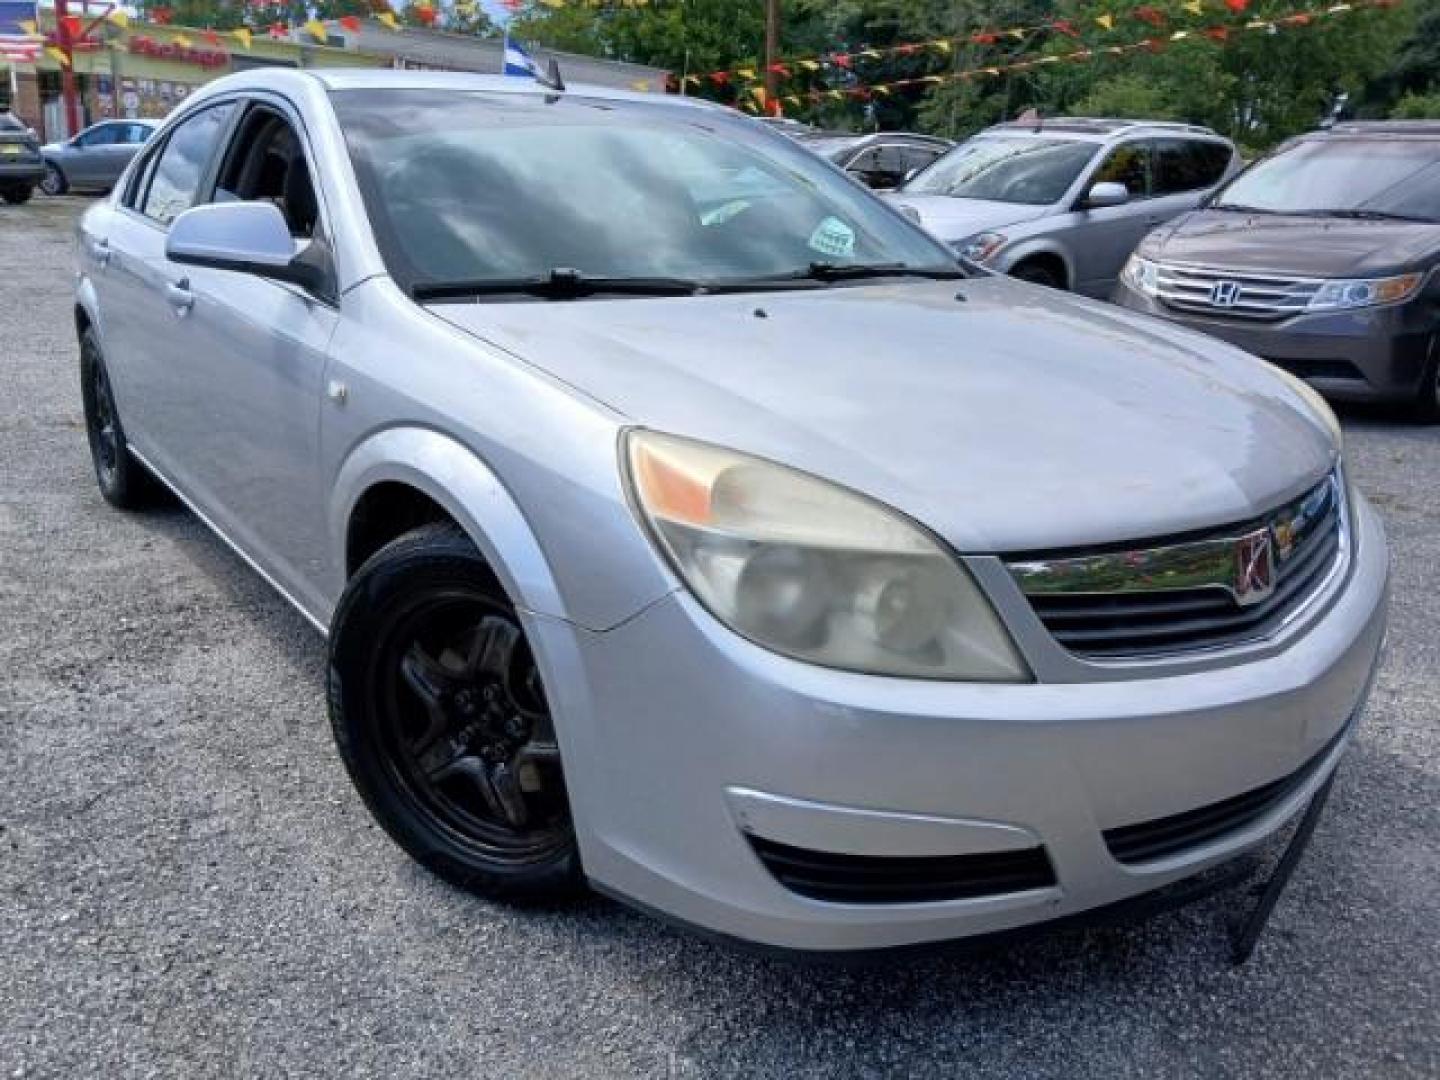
column 1163, row 837
column 884, row 879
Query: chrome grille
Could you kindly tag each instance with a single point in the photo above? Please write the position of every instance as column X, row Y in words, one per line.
column 1236, row 585
column 1244, row 295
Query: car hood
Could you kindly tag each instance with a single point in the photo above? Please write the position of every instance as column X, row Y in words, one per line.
column 1016, row 419
column 953, row 219
column 1293, row 244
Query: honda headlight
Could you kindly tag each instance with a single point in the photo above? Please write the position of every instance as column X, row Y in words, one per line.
column 811, row 570
column 980, row 247
column 1364, row 292
column 1142, row 275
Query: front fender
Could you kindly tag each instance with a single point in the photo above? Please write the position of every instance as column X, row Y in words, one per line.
column 85, row 298
column 449, row 473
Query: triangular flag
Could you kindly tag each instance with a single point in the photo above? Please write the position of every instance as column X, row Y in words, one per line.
column 748, row 74
column 1237, row 6
column 58, row 55
column 1106, row 22
column 942, row 47
column 243, row 37
column 211, row 38
column 810, row 65
column 181, row 40
column 387, row 19
column 119, row 18
column 350, row 23
column 316, row 29
column 1018, row 35
column 29, row 26
column 1195, row 7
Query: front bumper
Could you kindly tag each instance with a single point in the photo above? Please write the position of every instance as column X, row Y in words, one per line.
column 679, row 737
column 1375, row 354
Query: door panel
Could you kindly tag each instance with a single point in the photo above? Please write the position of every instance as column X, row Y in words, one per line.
column 1107, row 235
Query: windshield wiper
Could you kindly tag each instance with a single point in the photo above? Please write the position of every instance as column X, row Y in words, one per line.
column 561, row 283
column 828, row 271
column 1239, row 208
column 1366, row 215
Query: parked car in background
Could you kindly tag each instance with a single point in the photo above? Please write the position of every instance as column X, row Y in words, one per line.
column 21, row 165
column 738, row 552
column 1321, row 259
column 94, row 159
column 881, row 160
column 1064, row 202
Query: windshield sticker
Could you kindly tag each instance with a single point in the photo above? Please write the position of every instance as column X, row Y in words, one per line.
column 833, row 237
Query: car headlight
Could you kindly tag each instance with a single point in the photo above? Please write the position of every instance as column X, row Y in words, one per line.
column 811, row 570
column 1142, row 275
column 981, row 246
column 1364, row 292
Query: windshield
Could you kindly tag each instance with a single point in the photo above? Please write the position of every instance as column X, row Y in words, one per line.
column 1360, row 177
column 1036, row 172
column 485, row 188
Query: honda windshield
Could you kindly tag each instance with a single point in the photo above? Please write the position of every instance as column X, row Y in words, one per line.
column 1036, row 172
column 1340, row 177
column 559, row 193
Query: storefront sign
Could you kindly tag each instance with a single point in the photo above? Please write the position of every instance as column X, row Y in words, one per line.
column 168, row 50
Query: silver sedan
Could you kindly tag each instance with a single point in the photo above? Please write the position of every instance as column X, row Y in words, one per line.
column 94, row 159
column 687, row 523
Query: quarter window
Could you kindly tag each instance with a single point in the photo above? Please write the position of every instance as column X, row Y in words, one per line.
column 180, row 168
column 1188, row 165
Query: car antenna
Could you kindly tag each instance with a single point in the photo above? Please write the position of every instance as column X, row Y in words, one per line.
column 551, row 80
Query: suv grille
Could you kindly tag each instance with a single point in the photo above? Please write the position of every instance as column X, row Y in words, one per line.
column 1239, row 294
column 1234, row 586
column 886, row 879
column 1162, row 837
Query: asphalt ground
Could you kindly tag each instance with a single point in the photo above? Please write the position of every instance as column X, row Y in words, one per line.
column 189, row 887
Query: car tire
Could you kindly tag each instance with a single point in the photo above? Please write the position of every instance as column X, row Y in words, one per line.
column 1038, row 273
column 124, row 482
column 54, row 182
column 434, row 700
column 16, row 196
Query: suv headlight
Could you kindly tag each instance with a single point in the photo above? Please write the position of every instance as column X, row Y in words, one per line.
column 806, row 568
column 981, row 246
column 1142, row 275
column 1364, row 292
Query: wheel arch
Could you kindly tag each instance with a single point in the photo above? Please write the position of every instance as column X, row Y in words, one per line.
column 1044, row 254
column 87, row 307
column 407, row 470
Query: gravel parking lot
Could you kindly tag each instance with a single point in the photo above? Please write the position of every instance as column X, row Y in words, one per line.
column 189, row 887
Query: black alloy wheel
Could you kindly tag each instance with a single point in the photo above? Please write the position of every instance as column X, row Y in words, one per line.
column 441, row 717
column 123, row 481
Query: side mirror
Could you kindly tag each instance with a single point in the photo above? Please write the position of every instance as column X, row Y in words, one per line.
column 246, row 237
column 1108, row 193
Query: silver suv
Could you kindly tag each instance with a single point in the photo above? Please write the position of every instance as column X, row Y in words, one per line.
column 1064, row 202
column 685, row 522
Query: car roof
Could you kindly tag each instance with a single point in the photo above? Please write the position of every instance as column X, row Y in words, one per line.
column 1099, row 129
column 1389, row 129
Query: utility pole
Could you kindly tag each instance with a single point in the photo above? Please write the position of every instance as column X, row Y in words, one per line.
column 772, row 54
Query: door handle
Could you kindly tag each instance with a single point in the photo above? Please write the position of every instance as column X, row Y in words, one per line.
column 179, row 296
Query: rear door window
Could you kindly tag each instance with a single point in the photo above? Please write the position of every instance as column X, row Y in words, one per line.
column 1188, row 165
column 182, row 164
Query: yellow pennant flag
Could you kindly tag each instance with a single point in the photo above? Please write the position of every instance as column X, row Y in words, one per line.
column 1195, row 7
column 642, row 85
column 836, row 95
column 387, row 19
column 883, row 91
column 748, row 74
column 181, row 40
column 942, row 46
column 58, row 55
column 243, row 37
column 810, row 65
column 29, row 26
column 1107, row 22
column 1018, row 35
column 119, row 18
column 316, row 29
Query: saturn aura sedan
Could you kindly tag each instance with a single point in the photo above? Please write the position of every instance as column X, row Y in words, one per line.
column 689, row 524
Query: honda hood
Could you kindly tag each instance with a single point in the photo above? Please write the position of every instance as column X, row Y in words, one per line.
column 1003, row 416
column 1293, row 244
column 951, row 219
